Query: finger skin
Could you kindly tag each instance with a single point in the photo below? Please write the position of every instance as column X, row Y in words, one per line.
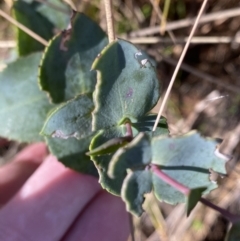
column 15, row 173
column 33, row 153
column 104, row 219
column 47, row 204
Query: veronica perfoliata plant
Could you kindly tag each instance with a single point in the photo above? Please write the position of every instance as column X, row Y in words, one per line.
column 90, row 101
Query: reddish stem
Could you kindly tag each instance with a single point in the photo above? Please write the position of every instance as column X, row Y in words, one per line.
column 129, row 129
column 185, row 190
column 231, row 217
column 172, row 182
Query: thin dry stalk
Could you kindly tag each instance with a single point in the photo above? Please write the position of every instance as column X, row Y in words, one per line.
column 109, row 18
column 163, row 20
column 202, row 75
column 195, row 40
column 231, row 13
column 178, row 65
column 185, row 125
column 231, row 141
column 165, row 14
column 23, row 28
column 152, row 208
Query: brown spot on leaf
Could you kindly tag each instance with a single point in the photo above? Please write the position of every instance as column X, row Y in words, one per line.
column 66, row 35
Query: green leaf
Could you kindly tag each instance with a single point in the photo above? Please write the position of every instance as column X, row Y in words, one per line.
column 187, row 159
column 135, row 185
column 71, row 153
column 234, row 234
column 101, row 162
column 193, row 198
column 125, row 89
column 71, row 119
column 66, row 64
column 57, row 17
column 26, row 14
column 23, row 107
column 136, row 155
column 146, row 123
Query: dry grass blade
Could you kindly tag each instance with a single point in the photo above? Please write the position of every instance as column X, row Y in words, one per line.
column 165, row 14
column 185, row 125
column 195, row 40
column 178, row 65
column 231, row 141
column 24, row 28
column 152, row 208
column 202, row 75
column 163, row 21
column 231, row 13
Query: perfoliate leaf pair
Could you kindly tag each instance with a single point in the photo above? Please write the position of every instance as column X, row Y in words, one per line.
column 80, row 117
column 186, row 159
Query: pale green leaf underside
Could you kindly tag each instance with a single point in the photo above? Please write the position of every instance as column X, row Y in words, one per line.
column 135, row 185
column 71, row 153
column 187, row 159
column 71, row 119
column 23, row 107
column 125, row 88
column 66, row 65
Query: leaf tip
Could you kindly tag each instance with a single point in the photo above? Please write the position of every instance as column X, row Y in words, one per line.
column 193, row 198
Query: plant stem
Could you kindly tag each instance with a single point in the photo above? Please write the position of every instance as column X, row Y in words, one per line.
column 178, row 66
column 129, row 132
column 109, row 18
column 231, row 217
column 185, row 190
column 219, row 15
column 172, row 182
column 24, row 28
